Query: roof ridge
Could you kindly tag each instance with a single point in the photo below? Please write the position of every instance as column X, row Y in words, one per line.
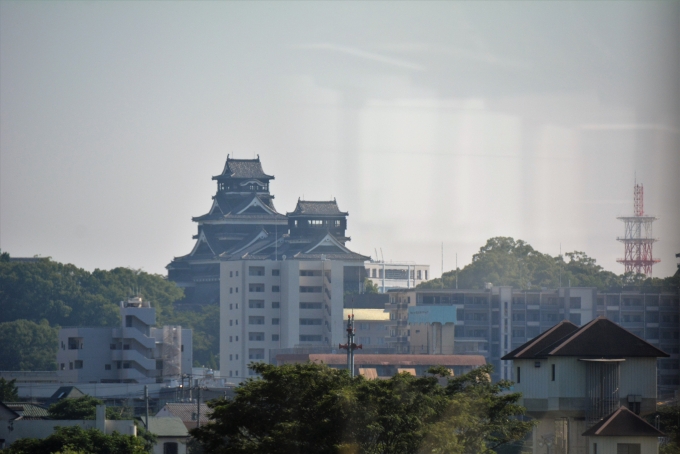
column 574, row 335
column 542, row 336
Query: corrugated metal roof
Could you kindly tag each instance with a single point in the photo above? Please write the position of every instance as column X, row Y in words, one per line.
column 367, row 314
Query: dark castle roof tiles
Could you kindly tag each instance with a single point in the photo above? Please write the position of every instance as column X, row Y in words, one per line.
column 317, row 208
column 623, row 423
column 243, row 168
column 600, row 338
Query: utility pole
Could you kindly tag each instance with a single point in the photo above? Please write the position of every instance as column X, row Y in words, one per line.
column 350, row 346
column 198, row 409
column 146, row 398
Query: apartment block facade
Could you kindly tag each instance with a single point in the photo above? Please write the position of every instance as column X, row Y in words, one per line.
column 135, row 352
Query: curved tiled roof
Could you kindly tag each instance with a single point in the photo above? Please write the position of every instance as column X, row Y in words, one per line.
column 317, row 208
column 243, row 168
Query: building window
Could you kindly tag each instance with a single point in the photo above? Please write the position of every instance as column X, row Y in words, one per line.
column 418, row 275
column 231, row 306
column 62, row 366
column 310, row 321
column 170, row 447
column 425, row 274
column 552, row 370
column 256, row 304
column 231, row 274
column 575, row 319
column 628, row 448
column 126, row 365
column 256, row 288
column 107, row 366
column 310, row 272
column 519, row 376
column 231, row 323
column 275, row 337
column 75, row 343
column 575, row 302
column 231, row 289
column 237, row 292
column 275, row 288
column 256, row 353
column 594, row 448
column 255, row 320
column 275, row 305
column 310, row 305
column 256, row 337
column 159, row 364
column 310, row 338
column 276, row 272
column 236, row 274
column 275, row 321
column 256, row 271
column 231, row 357
column 307, row 289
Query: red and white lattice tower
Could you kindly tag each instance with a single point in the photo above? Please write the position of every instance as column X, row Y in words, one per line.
column 637, row 238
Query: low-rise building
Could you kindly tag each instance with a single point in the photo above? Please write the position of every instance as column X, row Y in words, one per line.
column 572, row 379
column 172, row 435
column 135, row 352
column 370, row 327
column 396, row 275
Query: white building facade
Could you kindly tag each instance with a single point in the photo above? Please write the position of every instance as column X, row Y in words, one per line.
column 396, row 275
column 135, row 352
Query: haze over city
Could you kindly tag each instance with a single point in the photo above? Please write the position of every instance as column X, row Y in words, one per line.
column 429, row 122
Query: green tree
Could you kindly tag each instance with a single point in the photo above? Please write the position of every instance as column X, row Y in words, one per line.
column 370, row 287
column 313, row 408
column 76, row 439
column 8, row 390
column 506, row 261
column 669, row 423
column 25, row 345
column 85, row 407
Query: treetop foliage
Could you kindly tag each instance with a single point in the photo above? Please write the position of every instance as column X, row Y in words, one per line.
column 75, row 439
column 303, row 408
column 25, row 345
column 8, row 390
column 506, row 261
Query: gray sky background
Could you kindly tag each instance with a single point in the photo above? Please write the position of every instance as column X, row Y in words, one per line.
column 429, row 122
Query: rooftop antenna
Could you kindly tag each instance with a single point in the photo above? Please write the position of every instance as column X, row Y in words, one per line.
column 382, row 256
column 442, row 264
column 377, row 257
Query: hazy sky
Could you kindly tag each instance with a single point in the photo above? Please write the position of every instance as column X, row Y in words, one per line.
column 429, row 122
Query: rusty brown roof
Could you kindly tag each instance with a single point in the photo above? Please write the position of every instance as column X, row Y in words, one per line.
column 385, row 360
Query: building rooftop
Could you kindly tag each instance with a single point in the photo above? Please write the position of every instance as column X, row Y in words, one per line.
column 623, row 423
column 378, row 359
column 317, row 208
column 166, row 427
column 186, row 411
column 600, row 338
column 367, row 314
column 27, row 410
column 243, row 168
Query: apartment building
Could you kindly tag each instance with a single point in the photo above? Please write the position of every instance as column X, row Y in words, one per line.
column 135, row 352
column 496, row 320
column 396, row 275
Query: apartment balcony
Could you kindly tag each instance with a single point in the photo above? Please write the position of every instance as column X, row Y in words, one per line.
column 134, row 356
column 401, row 322
column 396, row 305
column 132, row 333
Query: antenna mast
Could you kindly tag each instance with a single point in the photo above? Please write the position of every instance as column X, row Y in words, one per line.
column 637, row 239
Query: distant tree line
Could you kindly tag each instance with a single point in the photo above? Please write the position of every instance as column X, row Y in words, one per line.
column 506, row 261
column 38, row 297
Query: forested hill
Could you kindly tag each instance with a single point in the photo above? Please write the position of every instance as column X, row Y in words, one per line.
column 506, row 261
column 37, row 297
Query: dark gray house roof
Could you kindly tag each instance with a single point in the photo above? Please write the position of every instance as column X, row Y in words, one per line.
column 317, row 208
column 600, row 338
column 623, row 423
